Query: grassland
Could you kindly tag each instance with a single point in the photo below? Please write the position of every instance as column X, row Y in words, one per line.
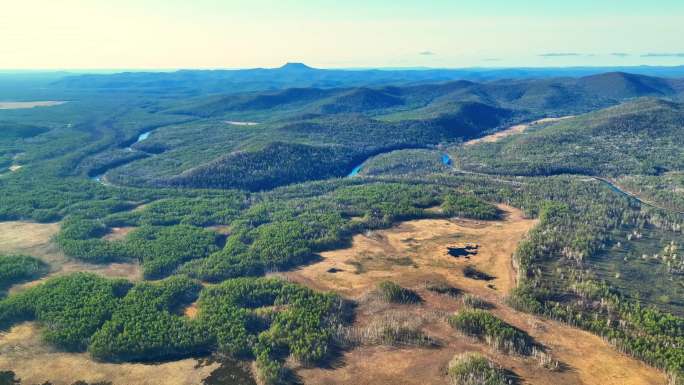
column 424, row 242
column 37, row 239
column 35, row 362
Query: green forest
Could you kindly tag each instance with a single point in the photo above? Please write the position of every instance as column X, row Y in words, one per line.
column 212, row 210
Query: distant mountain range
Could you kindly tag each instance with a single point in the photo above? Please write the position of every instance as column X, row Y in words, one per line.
column 196, row 82
column 543, row 96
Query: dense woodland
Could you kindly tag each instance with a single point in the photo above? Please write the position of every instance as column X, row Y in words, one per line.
column 115, row 320
column 271, row 234
column 303, row 134
column 276, row 190
column 483, row 325
column 18, row 268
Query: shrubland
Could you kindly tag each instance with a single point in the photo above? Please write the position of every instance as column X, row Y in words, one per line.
column 474, row 369
column 483, row 325
column 393, row 293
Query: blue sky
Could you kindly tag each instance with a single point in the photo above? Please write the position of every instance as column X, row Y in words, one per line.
column 40, row 34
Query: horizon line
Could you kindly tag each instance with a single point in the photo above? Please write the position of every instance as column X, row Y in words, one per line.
column 350, row 68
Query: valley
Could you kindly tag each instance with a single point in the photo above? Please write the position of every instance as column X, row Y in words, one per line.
column 297, row 225
column 303, row 192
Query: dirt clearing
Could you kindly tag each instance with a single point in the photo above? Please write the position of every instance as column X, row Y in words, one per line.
column 415, row 252
column 118, row 233
column 517, row 129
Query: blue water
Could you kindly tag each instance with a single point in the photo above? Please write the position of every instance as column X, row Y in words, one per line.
column 446, row 159
column 143, row 136
column 355, row 171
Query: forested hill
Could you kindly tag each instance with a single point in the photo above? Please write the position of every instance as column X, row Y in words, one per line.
column 220, row 189
column 263, row 139
column 640, row 137
column 279, row 154
column 548, row 96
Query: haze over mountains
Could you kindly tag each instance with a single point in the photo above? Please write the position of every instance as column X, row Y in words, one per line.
column 301, row 75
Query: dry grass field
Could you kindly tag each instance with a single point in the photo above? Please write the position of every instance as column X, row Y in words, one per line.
column 17, row 237
column 118, row 233
column 23, row 351
column 414, row 253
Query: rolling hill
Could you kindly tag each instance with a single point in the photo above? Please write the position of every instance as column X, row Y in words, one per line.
column 316, row 126
column 163, row 212
column 620, row 85
column 644, row 136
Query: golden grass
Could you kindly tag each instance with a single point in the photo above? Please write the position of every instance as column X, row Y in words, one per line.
column 592, row 361
column 19, row 237
column 418, row 248
column 410, row 254
column 23, row 351
column 191, row 310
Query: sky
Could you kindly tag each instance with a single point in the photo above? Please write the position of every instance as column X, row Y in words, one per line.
column 171, row 34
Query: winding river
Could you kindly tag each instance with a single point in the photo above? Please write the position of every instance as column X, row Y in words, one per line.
column 143, row 136
column 446, row 160
column 613, row 186
column 100, row 177
column 356, row 170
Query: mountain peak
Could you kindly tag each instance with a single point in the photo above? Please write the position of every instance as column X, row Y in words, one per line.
column 296, row 66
